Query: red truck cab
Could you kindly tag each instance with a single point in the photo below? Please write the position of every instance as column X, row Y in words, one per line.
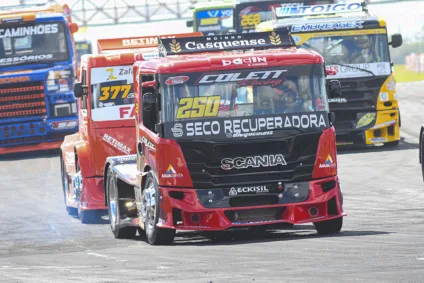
column 232, row 131
column 107, row 127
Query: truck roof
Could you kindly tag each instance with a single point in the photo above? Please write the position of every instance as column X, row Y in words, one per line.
column 31, row 12
column 106, row 60
column 214, row 61
column 368, row 20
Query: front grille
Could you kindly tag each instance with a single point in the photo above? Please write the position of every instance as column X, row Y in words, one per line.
column 361, row 94
column 254, row 215
column 204, row 160
column 257, row 200
column 22, row 100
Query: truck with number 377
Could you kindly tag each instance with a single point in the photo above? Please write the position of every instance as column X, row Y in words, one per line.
column 231, row 131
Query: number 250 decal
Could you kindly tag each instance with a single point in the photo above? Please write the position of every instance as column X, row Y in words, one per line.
column 250, row 20
column 113, row 91
column 198, row 107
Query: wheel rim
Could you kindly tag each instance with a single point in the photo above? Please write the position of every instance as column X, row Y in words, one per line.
column 65, row 184
column 148, row 208
column 113, row 199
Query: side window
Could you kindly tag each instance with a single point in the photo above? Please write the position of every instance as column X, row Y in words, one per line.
column 149, row 110
column 84, row 82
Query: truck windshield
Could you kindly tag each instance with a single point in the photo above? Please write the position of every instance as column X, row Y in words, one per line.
column 112, row 93
column 32, row 43
column 362, row 53
column 272, row 92
column 82, row 48
column 248, row 14
column 214, row 21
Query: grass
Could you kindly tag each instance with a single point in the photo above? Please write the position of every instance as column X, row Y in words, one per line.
column 403, row 76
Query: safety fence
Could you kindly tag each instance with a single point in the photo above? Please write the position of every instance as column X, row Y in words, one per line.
column 415, row 62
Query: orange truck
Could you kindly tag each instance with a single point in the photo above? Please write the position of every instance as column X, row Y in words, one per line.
column 106, row 121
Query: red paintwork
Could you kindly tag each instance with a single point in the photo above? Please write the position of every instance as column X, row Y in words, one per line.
column 26, row 148
column 168, row 152
column 215, row 219
column 90, row 148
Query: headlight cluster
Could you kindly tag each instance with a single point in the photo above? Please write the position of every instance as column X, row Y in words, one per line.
column 64, row 109
column 59, row 81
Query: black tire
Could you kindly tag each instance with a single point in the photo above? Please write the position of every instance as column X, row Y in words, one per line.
column 112, row 193
column 332, row 226
column 393, row 143
column 422, row 153
column 150, row 214
column 72, row 211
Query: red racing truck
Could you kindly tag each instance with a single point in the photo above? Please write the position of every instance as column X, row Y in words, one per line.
column 106, row 114
column 232, row 131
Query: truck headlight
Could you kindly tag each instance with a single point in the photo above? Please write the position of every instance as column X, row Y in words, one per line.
column 59, row 80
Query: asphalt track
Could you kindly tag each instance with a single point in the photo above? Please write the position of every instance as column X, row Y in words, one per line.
column 382, row 238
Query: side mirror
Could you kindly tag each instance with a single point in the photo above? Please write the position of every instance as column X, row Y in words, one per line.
column 79, row 90
column 397, row 40
column 189, row 24
column 73, row 27
column 335, row 88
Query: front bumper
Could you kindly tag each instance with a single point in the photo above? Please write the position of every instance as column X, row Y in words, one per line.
column 385, row 129
column 39, row 135
column 188, row 209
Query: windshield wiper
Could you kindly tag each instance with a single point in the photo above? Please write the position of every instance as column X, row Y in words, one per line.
column 357, row 68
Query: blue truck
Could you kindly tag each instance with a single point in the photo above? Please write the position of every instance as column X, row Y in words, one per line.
column 38, row 67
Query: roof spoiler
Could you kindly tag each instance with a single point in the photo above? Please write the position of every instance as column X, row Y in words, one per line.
column 27, row 12
column 257, row 41
column 291, row 10
column 136, row 43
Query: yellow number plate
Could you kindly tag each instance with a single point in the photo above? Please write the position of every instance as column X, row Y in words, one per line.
column 250, row 20
column 198, row 107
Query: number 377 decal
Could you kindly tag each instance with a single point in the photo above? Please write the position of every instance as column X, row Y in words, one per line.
column 112, row 92
column 198, row 107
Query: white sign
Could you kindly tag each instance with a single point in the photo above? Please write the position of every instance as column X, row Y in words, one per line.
column 359, row 70
column 112, row 113
column 29, row 31
column 113, row 73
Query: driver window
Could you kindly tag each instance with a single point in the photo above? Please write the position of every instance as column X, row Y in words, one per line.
column 84, row 82
column 149, row 118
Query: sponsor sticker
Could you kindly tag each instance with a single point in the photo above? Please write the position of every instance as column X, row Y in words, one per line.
column 116, row 144
column 62, row 125
column 245, row 127
column 328, row 163
column 385, row 124
column 359, row 70
column 248, row 190
column 38, row 29
column 301, row 10
column 251, row 61
column 337, row 100
column 365, row 120
column 25, row 58
column 171, row 173
column 327, row 26
column 12, row 80
column 378, row 140
column 253, row 161
column 384, row 96
column 148, row 143
column 176, row 80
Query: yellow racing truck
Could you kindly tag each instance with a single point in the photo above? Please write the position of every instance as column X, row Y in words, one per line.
column 355, row 46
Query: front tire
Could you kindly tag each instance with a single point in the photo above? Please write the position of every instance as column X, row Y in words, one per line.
column 332, row 226
column 422, row 153
column 150, row 208
column 114, row 211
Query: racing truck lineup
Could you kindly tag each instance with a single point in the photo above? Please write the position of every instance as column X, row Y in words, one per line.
column 232, row 131
column 106, row 114
column 237, row 16
column 355, row 48
column 37, row 72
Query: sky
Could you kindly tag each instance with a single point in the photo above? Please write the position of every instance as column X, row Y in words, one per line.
column 406, row 18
